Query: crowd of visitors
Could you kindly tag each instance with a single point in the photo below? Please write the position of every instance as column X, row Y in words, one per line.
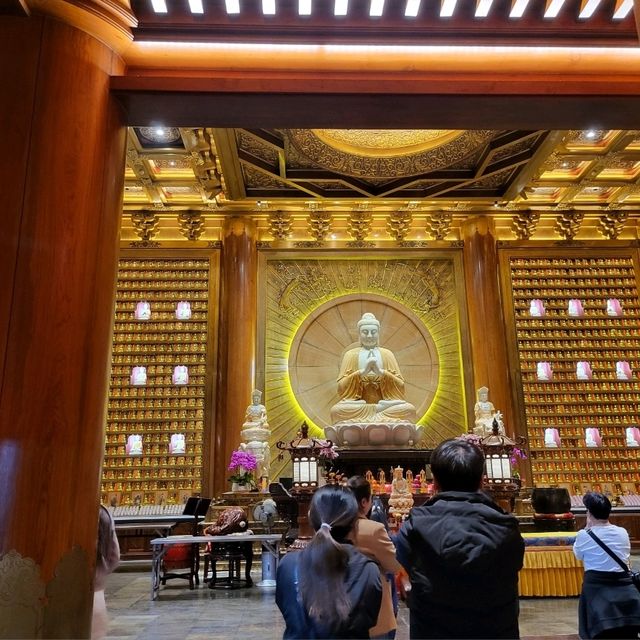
column 462, row 553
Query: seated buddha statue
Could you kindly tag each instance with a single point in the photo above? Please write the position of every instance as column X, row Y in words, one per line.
column 370, row 384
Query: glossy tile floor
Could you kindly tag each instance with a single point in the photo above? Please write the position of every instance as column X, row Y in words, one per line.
column 245, row 614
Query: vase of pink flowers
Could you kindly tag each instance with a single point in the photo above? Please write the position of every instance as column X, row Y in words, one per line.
column 327, row 453
column 243, row 464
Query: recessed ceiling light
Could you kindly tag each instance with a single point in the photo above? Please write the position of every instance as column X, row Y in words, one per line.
column 587, row 9
column 591, row 134
column 341, row 7
column 269, row 7
column 172, row 163
column 447, row 8
column 159, row 6
column 518, row 8
column 232, row 6
column 553, row 8
column 482, row 8
column 623, row 8
column 376, row 9
column 196, row 6
column 413, row 6
column 333, row 236
column 565, row 165
column 304, row 7
column 160, row 131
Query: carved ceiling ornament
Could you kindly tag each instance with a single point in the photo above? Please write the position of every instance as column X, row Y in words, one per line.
column 359, row 227
column 612, row 223
column 191, row 224
column 399, row 224
column 524, row 224
column 568, row 223
column 413, row 163
column 280, row 224
column 320, row 223
column 145, row 224
column 439, row 224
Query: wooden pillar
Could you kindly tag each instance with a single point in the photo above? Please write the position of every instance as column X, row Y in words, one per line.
column 61, row 178
column 237, row 341
column 486, row 317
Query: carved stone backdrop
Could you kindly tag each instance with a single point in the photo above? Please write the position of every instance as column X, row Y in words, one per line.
column 311, row 310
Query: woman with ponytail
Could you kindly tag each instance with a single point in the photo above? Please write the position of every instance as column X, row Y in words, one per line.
column 329, row 589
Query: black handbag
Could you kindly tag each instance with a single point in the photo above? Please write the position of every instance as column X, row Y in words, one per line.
column 634, row 575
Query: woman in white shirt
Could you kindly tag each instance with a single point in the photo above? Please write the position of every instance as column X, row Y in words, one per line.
column 609, row 602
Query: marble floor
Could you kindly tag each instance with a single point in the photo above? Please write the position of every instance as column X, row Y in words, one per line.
column 247, row 614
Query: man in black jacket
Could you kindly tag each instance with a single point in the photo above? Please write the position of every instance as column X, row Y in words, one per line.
column 462, row 552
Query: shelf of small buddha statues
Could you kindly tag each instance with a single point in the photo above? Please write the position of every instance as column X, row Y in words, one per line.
column 576, row 320
column 351, row 462
column 157, row 388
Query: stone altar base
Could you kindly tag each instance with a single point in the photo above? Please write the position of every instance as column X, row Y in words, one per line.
column 376, row 434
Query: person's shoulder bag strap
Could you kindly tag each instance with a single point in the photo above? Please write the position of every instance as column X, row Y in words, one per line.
column 611, row 553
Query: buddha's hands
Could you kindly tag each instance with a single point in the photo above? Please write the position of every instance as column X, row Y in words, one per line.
column 372, row 369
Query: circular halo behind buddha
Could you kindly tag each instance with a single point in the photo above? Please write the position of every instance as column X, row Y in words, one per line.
column 400, row 381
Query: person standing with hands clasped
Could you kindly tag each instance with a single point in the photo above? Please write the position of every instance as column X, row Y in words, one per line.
column 609, row 603
column 329, row 589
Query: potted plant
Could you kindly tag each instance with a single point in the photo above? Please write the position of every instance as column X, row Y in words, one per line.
column 243, row 464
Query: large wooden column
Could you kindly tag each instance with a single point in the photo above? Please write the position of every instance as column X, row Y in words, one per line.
column 61, row 173
column 237, row 341
column 486, row 317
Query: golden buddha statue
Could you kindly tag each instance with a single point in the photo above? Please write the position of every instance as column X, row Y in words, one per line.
column 370, row 385
column 372, row 408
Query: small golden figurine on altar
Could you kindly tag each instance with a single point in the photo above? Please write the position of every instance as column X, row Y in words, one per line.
column 401, row 500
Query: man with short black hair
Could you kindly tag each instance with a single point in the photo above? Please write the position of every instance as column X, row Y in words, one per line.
column 462, row 552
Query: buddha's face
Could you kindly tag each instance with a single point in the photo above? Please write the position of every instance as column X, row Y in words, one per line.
column 369, row 336
column 483, row 396
column 256, row 398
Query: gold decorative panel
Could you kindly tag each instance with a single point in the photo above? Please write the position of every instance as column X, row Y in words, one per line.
column 163, row 405
column 311, row 307
column 583, row 346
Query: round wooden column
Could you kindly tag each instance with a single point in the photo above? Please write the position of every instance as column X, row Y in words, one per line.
column 61, row 179
column 237, row 341
column 486, row 317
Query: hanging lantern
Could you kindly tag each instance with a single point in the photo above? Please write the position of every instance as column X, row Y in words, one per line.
column 305, row 453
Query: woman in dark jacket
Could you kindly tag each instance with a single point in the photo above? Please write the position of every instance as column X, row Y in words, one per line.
column 329, row 589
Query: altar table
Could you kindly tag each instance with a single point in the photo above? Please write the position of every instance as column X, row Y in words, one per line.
column 270, row 553
column 550, row 568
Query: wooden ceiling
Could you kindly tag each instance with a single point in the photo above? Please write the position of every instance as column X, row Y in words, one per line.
column 397, row 22
column 181, row 183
